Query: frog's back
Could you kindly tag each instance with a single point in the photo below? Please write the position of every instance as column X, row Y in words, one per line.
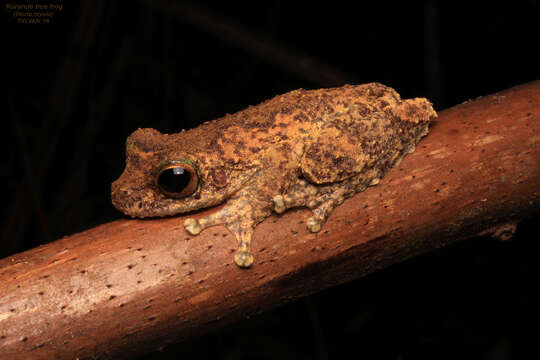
column 308, row 106
column 298, row 115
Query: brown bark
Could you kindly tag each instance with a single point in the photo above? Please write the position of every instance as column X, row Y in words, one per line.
column 131, row 285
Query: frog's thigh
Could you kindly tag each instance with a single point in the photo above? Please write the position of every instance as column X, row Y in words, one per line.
column 335, row 155
column 347, row 145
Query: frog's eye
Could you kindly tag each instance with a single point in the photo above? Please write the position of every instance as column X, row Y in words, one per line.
column 177, row 179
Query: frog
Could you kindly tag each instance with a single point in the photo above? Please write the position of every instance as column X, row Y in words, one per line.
column 305, row 148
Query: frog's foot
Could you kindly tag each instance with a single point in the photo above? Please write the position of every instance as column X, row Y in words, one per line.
column 243, row 257
column 279, row 204
column 228, row 215
column 195, row 226
column 322, row 207
column 322, row 200
column 242, row 229
column 299, row 195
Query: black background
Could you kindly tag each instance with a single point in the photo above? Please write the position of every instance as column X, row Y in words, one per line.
column 77, row 87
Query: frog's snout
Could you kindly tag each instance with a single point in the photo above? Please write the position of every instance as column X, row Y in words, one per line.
column 126, row 200
column 120, row 197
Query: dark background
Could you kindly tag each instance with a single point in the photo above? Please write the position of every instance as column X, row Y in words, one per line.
column 77, row 87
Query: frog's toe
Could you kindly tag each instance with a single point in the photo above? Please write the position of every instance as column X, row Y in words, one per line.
column 313, row 224
column 243, row 259
column 193, row 226
column 279, row 204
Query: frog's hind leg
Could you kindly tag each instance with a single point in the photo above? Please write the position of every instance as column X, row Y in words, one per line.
column 299, row 195
column 322, row 200
column 325, row 205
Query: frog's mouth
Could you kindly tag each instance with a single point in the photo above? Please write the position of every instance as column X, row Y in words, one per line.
column 148, row 203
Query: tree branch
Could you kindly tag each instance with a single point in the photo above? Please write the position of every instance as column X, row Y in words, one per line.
column 132, row 285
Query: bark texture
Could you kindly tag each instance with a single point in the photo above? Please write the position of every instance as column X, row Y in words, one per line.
column 130, row 286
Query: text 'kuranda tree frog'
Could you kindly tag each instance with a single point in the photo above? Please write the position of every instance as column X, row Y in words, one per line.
column 304, row 148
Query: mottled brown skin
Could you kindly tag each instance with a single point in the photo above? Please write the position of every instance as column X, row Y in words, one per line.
column 304, row 148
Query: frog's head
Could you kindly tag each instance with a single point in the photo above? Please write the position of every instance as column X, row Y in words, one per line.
column 173, row 174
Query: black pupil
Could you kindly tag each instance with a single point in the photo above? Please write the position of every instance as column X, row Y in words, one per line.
column 174, row 180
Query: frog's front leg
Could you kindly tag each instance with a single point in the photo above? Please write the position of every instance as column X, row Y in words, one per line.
column 240, row 215
column 253, row 204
